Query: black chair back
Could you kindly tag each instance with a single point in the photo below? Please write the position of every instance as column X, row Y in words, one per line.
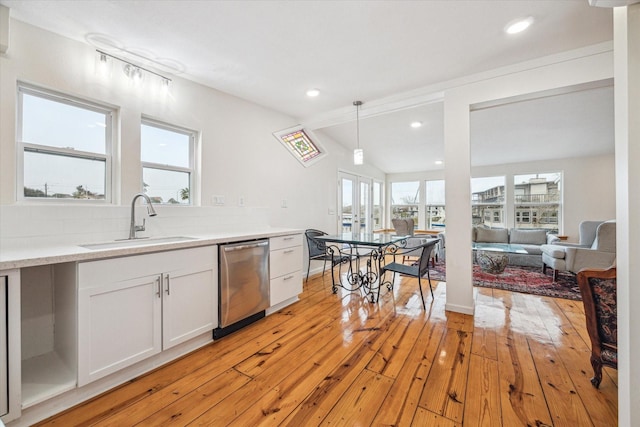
column 425, row 256
column 316, row 247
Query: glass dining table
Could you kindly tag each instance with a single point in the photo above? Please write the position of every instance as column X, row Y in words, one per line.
column 363, row 255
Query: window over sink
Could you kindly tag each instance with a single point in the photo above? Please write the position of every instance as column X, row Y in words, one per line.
column 168, row 159
column 64, row 146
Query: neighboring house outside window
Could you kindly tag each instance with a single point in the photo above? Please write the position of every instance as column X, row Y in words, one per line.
column 168, row 159
column 64, row 147
column 488, row 201
column 537, row 201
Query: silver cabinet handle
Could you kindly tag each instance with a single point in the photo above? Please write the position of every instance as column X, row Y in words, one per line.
column 288, row 277
column 168, row 284
column 159, row 288
column 288, row 251
column 288, row 238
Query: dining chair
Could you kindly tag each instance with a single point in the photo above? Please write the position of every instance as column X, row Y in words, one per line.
column 417, row 270
column 318, row 251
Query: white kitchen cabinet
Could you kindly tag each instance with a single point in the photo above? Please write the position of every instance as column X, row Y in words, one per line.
column 10, row 404
column 285, row 267
column 134, row 307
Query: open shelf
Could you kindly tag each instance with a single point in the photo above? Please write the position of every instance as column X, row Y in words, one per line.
column 43, row 377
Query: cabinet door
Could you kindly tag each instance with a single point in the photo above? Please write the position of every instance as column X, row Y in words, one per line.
column 4, row 400
column 190, row 305
column 118, row 325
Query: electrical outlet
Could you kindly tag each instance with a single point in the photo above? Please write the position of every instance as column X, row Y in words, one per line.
column 217, row 200
column 241, row 201
column 284, row 203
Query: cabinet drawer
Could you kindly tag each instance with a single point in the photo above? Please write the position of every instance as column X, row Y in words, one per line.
column 285, row 287
column 285, row 261
column 281, row 242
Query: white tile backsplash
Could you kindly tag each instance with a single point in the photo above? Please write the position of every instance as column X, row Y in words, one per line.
column 24, row 226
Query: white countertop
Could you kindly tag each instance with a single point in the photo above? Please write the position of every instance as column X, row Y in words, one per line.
column 19, row 258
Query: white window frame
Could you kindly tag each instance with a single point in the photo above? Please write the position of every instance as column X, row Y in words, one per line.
column 23, row 146
column 191, row 170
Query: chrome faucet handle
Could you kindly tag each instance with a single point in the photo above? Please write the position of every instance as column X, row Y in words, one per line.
column 141, row 227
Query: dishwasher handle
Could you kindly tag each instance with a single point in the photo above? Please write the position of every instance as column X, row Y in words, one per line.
column 231, row 248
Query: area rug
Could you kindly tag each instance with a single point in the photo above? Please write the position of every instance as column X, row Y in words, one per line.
column 529, row 280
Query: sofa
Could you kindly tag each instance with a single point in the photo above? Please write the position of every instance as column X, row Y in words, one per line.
column 530, row 239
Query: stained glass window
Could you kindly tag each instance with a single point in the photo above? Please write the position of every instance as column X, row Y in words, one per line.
column 300, row 144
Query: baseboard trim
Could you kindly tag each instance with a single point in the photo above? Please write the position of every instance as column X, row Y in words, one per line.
column 460, row 308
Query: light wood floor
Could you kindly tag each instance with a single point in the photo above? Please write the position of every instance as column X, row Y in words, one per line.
column 340, row 360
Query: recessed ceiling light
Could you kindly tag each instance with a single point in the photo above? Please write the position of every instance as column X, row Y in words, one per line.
column 416, row 124
column 518, row 26
column 438, row 162
column 313, row 92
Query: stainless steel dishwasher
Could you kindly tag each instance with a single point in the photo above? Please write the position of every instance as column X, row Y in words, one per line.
column 244, row 284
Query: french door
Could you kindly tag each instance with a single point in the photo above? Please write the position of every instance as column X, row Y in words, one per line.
column 355, row 209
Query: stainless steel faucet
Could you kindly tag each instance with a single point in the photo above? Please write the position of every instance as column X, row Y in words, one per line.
column 152, row 212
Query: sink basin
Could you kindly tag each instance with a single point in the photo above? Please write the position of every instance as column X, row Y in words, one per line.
column 126, row 243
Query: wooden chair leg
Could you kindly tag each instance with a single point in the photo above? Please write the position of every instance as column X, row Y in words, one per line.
column 597, row 371
column 555, row 274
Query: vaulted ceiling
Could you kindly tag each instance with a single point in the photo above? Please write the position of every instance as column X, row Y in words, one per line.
column 271, row 52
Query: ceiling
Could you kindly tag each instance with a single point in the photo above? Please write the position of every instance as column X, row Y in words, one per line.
column 271, row 52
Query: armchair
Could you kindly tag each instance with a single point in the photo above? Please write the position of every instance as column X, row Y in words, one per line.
column 595, row 249
column 599, row 290
column 403, row 226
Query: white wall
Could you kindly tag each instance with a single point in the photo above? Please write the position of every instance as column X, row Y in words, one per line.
column 588, row 186
column 239, row 155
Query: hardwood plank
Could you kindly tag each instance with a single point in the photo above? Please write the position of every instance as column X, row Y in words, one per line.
column 401, row 403
column 482, row 402
column 390, row 358
column 361, row 401
column 522, row 399
column 445, row 389
column 574, row 354
column 240, row 401
column 330, row 388
column 565, row 406
column 487, row 313
column 188, row 407
column 524, row 360
column 429, row 419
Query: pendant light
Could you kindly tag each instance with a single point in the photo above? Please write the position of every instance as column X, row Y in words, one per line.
column 358, row 153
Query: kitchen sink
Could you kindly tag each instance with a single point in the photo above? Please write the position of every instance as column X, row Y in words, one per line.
column 127, row 243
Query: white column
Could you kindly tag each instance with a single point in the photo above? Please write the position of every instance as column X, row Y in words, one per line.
column 457, row 174
column 627, row 136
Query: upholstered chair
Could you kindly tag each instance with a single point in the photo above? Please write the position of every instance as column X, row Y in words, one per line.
column 596, row 249
column 598, row 289
column 403, row 226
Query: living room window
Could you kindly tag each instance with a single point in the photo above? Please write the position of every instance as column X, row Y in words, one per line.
column 434, row 205
column 537, row 200
column 167, row 154
column 405, row 200
column 378, row 206
column 488, row 201
column 64, row 145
